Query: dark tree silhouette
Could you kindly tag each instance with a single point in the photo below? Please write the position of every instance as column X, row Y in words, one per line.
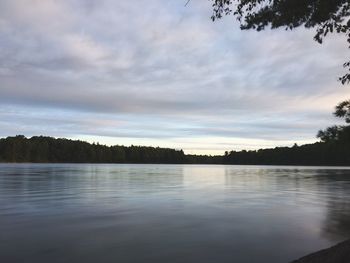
column 342, row 110
column 47, row 149
column 336, row 132
column 327, row 16
column 329, row 134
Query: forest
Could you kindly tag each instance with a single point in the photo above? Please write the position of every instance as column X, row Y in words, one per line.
column 50, row 150
column 334, row 152
column 40, row 149
column 332, row 149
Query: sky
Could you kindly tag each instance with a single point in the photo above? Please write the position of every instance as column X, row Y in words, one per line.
column 159, row 73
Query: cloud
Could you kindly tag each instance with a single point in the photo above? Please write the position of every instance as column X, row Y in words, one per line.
column 160, row 73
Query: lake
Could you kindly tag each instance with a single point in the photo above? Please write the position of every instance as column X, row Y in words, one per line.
column 170, row 213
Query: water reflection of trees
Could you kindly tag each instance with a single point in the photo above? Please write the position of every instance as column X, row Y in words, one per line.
column 334, row 186
column 328, row 188
column 337, row 221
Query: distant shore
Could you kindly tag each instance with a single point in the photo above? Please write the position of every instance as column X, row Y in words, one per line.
column 339, row 253
column 41, row 149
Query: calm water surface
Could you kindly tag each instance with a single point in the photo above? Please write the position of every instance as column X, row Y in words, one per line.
column 170, row 213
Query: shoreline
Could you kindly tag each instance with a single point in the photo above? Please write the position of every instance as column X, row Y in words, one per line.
column 184, row 163
column 339, row 253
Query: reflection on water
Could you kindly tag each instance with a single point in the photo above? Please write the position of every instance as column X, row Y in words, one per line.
column 169, row 213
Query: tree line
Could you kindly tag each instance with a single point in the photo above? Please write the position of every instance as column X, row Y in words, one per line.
column 40, row 149
column 51, row 150
column 320, row 153
column 332, row 149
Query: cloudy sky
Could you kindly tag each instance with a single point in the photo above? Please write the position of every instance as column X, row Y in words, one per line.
column 154, row 72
